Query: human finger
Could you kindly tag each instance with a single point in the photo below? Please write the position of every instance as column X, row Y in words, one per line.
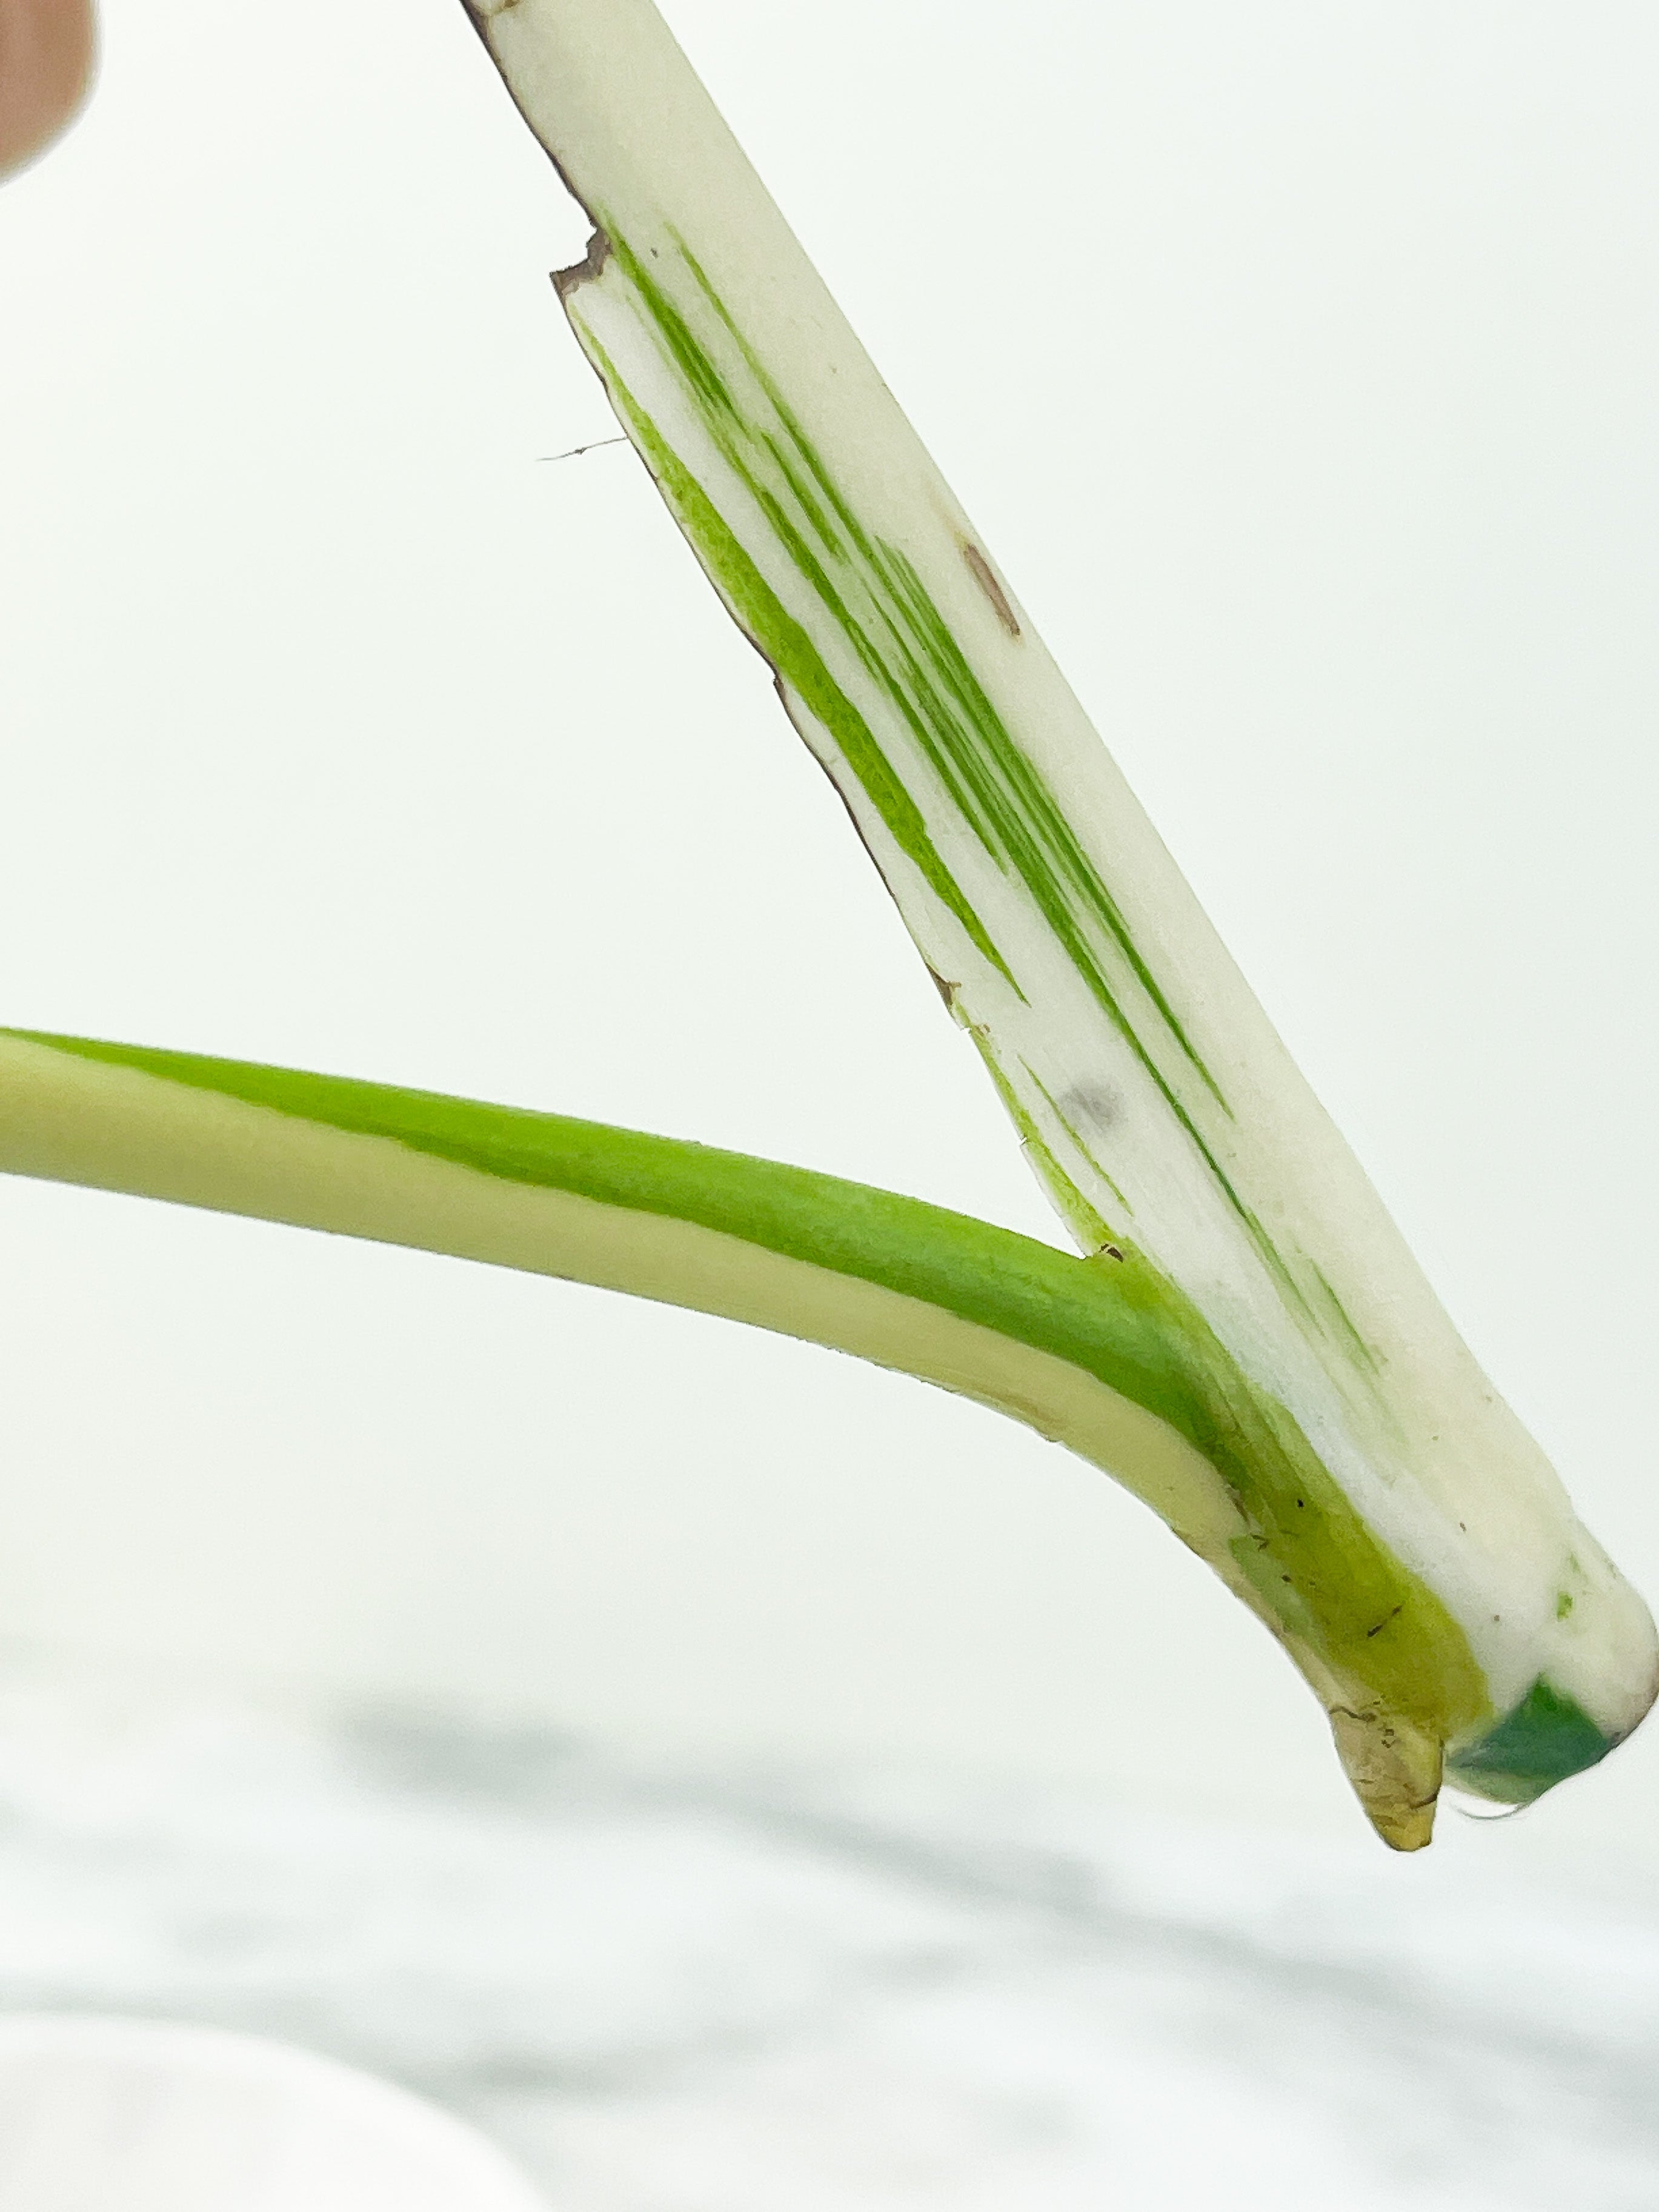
column 46, row 61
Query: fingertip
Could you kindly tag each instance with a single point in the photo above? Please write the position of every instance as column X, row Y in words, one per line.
column 46, row 49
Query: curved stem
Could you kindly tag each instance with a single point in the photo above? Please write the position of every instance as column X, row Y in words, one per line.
column 1104, row 1355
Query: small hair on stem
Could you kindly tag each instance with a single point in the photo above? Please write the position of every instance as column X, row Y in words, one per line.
column 570, row 453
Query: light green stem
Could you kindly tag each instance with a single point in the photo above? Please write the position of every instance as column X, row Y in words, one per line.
column 1103, row 1355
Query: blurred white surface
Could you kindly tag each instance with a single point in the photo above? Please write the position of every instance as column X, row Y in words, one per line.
column 143, row 2116
column 677, row 1988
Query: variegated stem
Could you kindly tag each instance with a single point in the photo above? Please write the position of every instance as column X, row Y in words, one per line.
column 1152, row 1094
column 1100, row 1354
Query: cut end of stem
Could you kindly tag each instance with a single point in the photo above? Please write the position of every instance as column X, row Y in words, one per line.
column 1396, row 1770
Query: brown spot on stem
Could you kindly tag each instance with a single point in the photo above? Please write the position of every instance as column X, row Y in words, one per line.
column 980, row 569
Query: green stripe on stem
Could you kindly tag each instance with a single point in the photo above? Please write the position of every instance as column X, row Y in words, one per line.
column 1372, row 1636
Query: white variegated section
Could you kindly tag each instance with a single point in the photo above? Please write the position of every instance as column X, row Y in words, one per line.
column 1425, row 1447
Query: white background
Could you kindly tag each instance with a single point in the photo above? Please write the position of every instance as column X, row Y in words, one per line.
column 1297, row 361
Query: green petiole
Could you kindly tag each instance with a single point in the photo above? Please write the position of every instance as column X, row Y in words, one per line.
column 1103, row 1355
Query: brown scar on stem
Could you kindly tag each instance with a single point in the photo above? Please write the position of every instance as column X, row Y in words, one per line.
column 946, row 991
column 980, row 569
column 593, row 262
